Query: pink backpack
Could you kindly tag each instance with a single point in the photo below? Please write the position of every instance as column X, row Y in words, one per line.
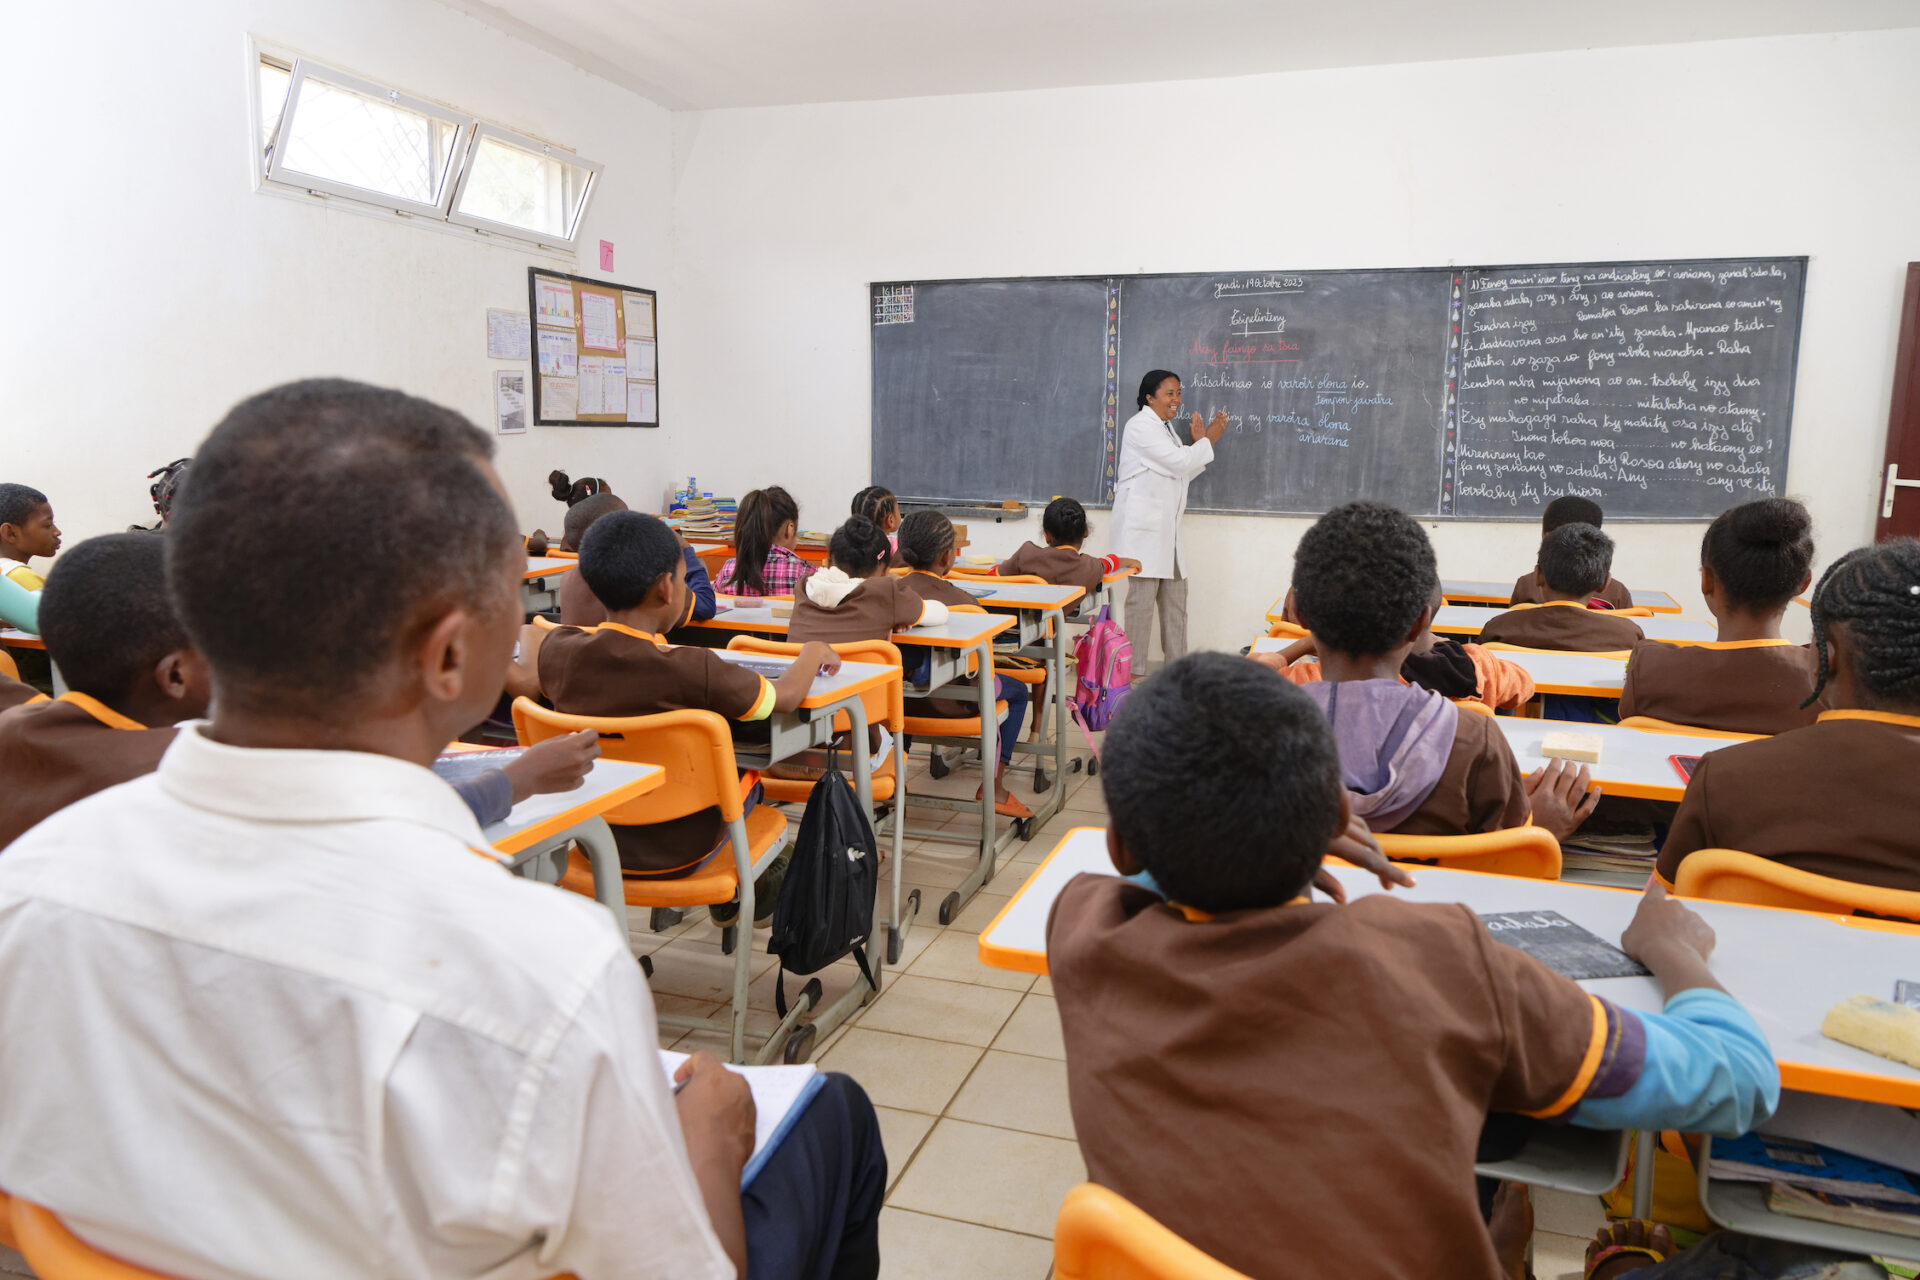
column 1103, row 673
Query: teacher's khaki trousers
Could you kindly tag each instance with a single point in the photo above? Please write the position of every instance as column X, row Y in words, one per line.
column 1171, row 595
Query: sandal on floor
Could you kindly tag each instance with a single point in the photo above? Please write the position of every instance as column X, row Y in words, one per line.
column 1621, row 1248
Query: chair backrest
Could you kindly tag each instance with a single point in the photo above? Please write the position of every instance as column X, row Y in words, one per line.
column 1100, row 1235
column 1727, row 875
column 694, row 747
column 713, row 558
column 1652, row 724
column 8, row 667
column 1283, row 630
column 1638, row 611
column 6, row 1221
column 1030, row 579
column 972, row 571
column 884, row 706
column 1517, row 851
column 55, row 1253
column 1474, row 705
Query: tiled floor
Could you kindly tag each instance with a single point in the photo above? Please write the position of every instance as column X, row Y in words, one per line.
column 966, row 1067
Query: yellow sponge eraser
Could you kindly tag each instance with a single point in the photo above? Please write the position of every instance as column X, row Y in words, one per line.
column 978, row 559
column 1584, row 747
column 781, row 608
column 1878, row 1026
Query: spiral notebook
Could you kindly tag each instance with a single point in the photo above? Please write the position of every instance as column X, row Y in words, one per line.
column 780, row 1096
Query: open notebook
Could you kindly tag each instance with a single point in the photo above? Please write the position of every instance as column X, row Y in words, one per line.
column 780, row 1094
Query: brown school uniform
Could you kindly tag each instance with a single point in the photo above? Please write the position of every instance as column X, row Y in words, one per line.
column 1480, row 789
column 1565, row 625
column 1836, row 798
column 611, row 670
column 1740, row 686
column 1274, row 1085
column 579, row 607
column 928, row 587
column 1527, row 591
column 55, row 753
column 1061, row 566
column 13, row 693
column 878, row 607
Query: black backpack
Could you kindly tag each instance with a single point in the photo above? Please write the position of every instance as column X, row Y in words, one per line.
column 826, row 904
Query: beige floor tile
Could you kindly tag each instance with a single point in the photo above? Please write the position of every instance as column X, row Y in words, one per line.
column 696, row 969
column 1557, row 1257
column 917, row 1246
column 1043, row 985
column 979, row 913
column 1034, row 1029
column 993, row 1177
column 959, row 1012
column 12, row 1264
column 956, row 957
column 1012, row 1091
column 900, row 1136
column 1562, row 1213
column 902, row 1071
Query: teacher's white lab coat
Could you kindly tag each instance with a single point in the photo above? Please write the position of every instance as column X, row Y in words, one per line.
column 1150, row 491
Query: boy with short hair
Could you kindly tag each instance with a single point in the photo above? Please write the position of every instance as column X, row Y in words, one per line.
column 1363, row 584
column 1061, row 562
column 1574, row 564
column 1567, row 510
column 26, row 530
column 1251, row 1067
column 302, row 1014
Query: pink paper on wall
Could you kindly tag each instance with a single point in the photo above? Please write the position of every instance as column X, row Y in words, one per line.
column 606, row 255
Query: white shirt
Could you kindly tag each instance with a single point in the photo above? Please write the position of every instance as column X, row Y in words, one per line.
column 1150, row 491
column 266, row 1013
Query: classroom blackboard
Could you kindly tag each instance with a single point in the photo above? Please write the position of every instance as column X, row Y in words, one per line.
column 1663, row 390
column 990, row 389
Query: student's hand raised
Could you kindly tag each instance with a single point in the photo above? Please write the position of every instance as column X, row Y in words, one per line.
column 1355, row 844
column 1561, row 796
column 558, row 764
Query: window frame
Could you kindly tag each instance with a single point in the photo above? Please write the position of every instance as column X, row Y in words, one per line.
column 276, row 170
column 481, row 130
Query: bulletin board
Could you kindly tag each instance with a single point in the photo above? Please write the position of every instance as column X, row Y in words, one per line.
column 595, row 358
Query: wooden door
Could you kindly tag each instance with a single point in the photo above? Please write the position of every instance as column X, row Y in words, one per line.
column 1899, row 514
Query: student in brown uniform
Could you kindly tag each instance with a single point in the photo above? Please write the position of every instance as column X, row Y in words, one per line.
column 1274, row 1078
column 1754, row 560
column 623, row 667
column 854, row 598
column 1363, row 583
column 131, row 675
column 1838, row 797
column 1573, row 566
column 1564, row 511
column 14, row 693
column 1061, row 562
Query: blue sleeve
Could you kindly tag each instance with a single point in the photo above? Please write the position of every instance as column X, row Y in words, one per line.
column 488, row 793
column 699, row 584
column 19, row 607
column 1706, row 1069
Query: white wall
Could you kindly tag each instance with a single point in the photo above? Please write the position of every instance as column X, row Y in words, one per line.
column 1765, row 147
column 152, row 287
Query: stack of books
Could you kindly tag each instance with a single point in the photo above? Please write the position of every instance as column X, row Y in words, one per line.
column 698, row 514
column 1807, row 1180
column 1620, row 846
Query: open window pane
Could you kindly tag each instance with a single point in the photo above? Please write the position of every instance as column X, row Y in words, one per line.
column 274, row 81
column 524, row 185
column 347, row 134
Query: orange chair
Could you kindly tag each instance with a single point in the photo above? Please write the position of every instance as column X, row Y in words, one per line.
column 1727, row 875
column 1650, row 724
column 1474, row 705
column 883, row 706
column 1100, row 1235
column 696, row 750
column 55, row 1253
column 972, row 571
column 1501, row 646
column 6, row 1222
column 1287, row 631
column 8, row 667
column 1517, row 851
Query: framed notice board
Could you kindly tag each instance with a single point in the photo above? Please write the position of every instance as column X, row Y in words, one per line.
column 595, row 362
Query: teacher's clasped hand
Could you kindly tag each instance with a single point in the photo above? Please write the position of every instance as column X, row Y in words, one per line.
column 1149, row 498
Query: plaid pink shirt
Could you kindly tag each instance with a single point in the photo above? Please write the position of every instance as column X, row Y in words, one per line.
column 783, row 572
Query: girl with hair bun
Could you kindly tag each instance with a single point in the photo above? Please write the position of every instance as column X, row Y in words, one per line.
column 1836, row 798
column 1754, row 560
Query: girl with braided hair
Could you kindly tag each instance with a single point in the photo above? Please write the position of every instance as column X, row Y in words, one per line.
column 1836, row 798
column 877, row 503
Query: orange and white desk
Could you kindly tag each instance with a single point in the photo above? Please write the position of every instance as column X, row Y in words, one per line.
column 1461, row 620
column 1041, row 609
column 15, row 638
column 1475, row 591
column 1588, row 675
column 537, row 591
column 1633, row 762
column 545, row 824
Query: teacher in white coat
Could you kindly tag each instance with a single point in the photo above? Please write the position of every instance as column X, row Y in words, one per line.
column 1150, row 495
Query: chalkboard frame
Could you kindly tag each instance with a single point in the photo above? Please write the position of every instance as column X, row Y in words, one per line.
column 1104, row 500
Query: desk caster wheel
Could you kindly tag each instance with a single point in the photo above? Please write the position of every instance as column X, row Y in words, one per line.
column 949, row 908
column 646, row 965
column 1023, row 827
column 729, row 938
column 1041, row 782
column 1093, row 768
column 937, row 765
column 798, row 1045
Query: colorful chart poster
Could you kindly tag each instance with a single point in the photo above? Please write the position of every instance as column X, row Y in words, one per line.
column 558, row 359
column 553, row 303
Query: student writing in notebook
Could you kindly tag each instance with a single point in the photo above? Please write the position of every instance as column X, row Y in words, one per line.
column 1061, row 562
column 1837, row 797
column 1754, row 560
column 1563, row 511
column 1574, row 560
column 301, row 1015
column 1252, row 1067
column 1363, row 583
